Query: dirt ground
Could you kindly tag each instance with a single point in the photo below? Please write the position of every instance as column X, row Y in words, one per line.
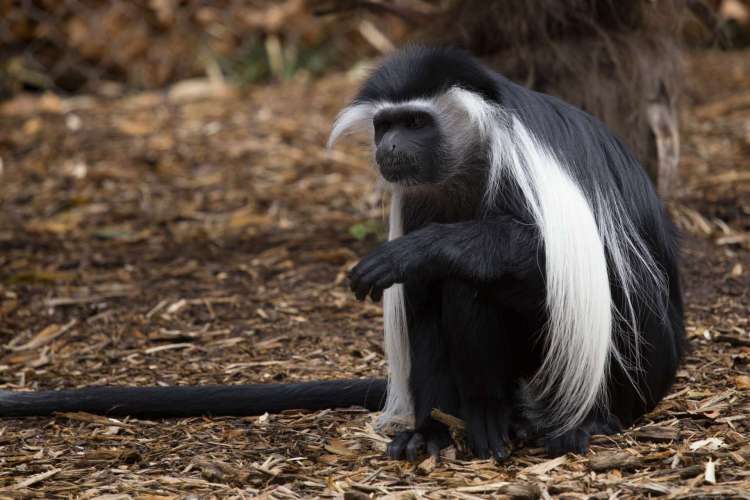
column 203, row 236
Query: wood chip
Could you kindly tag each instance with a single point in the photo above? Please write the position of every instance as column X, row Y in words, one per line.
column 45, row 336
column 32, row 480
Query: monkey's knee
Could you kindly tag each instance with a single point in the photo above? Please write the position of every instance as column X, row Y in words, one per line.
column 463, row 296
column 466, row 308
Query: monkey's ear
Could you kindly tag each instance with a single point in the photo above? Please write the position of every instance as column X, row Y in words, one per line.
column 356, row 117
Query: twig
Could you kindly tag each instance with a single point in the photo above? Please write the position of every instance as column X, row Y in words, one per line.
column 411, row 16
column 25, row 483
column 454, row 423
column 713, row 109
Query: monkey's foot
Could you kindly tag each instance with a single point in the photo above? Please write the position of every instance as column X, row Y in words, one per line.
column 577, row 440
column 488, row 426
column 410, row 445
column 574, row 441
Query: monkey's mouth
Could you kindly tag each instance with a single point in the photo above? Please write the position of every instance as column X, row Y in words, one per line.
column 398, row 167
column 398, row 174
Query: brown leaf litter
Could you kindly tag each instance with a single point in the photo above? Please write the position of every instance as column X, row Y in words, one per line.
column 205, row 240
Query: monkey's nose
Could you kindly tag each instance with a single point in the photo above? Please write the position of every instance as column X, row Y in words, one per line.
column 393, row 148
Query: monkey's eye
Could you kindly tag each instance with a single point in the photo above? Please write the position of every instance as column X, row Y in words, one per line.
column 381, row 125
column 415, row 122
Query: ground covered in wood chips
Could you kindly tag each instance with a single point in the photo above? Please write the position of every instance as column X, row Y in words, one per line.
column 202, row 235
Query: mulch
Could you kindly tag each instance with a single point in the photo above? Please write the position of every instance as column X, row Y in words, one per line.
column 203, row 234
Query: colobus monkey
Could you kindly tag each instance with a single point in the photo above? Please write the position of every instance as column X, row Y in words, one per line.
column 530, row 279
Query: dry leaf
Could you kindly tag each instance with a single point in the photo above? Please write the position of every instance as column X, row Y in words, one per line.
column 736, row 270
column 32, row 126
column 198, row 88
column 742, row 382
column 45, row 336
column 710, row 473
column 544, row 467
column 138, row 127
column 338, row 447
column 61, row 223
column 31, row 480
column 427, row 465
column 328, row 459
column 710, row 444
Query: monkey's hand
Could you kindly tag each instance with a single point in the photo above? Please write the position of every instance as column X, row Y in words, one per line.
column 476, row 251
column 392, row 262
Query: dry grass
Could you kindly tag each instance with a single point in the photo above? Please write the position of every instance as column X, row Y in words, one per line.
column 159, row 239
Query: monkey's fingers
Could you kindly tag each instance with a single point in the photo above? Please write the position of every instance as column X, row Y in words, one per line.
column 408, row 444
column 361, row 290
column 498, row 437
column 384, row 282
column 375, row 279
column 363, row 275
column 367, row 264
column 415, row 448
column 376, row 294
column 437, row 440
column 476, row 434
column 353, row 281
column 397, row 446
column 360, row 285
column 433, row 449
column 574, row 441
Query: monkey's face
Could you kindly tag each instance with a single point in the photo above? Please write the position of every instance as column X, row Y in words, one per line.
column 408, row 146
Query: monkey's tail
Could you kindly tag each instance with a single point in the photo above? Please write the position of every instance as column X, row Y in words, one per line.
column 197, row 400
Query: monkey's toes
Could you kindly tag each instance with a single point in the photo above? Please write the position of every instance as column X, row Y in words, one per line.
column 410, row 445
column 488, row 430
column 573, row 441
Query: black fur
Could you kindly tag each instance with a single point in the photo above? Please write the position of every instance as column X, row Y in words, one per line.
column 474, row 280
column 423, row 72
column 185, row 401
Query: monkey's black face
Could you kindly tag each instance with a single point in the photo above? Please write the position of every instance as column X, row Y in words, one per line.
column 407, row 146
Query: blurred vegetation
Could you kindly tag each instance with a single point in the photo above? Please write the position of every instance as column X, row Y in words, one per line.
column 251, row 63
column 734, row 16
column 112, row 45
column 88, row 45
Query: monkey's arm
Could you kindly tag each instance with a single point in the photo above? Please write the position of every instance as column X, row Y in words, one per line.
column 483, row 252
